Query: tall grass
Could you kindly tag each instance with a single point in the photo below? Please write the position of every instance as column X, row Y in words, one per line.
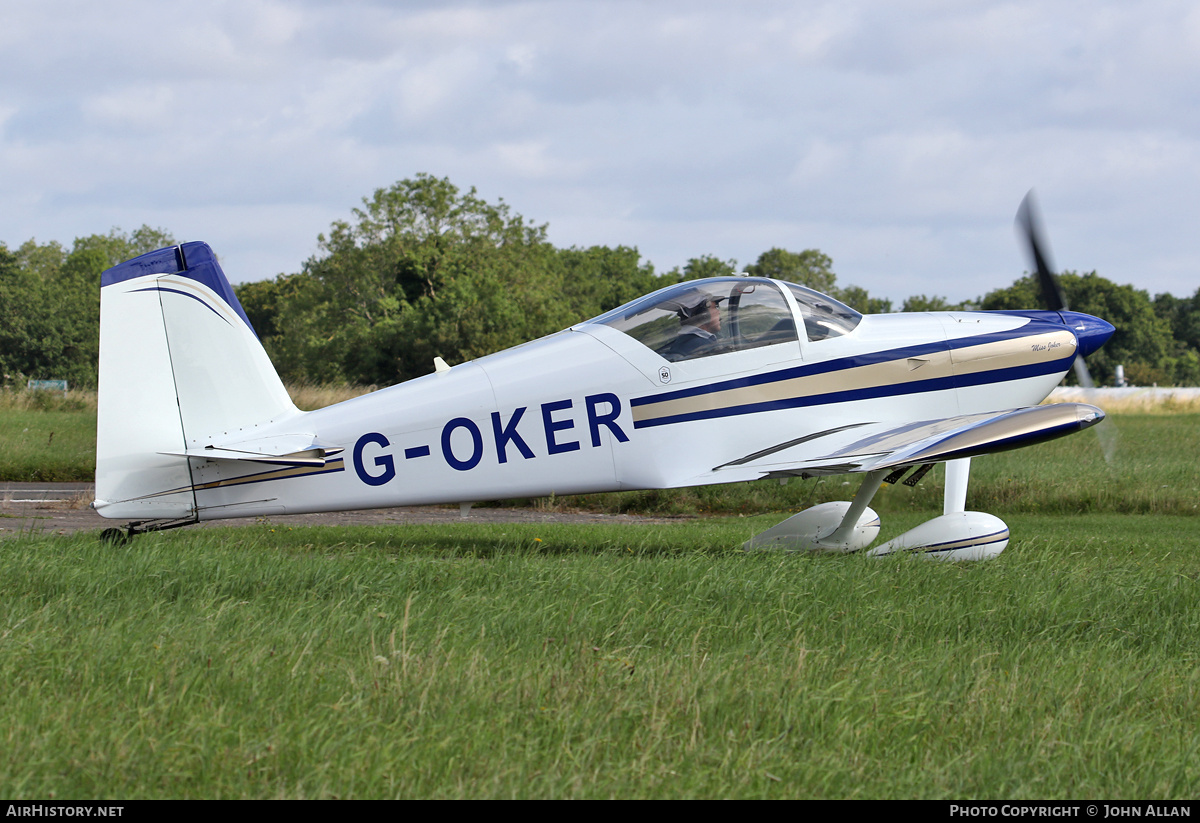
column 600, row 661
column 76, row 400
column 1140, row 400
column 308, row 397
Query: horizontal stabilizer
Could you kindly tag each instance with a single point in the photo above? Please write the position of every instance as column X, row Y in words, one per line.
column 313, row 457
column 281, row 450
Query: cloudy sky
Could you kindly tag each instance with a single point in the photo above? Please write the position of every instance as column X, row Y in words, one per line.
column 897, row 137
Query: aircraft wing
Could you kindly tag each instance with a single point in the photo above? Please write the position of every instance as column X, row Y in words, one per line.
column 869, row 446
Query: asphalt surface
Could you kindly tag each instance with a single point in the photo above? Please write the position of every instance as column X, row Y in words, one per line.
column 64, row 508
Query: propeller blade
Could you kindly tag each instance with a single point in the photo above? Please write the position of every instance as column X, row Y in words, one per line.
column 1029, row 225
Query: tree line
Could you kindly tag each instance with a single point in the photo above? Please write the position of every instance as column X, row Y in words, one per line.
column 50, row 304
column 425, row 269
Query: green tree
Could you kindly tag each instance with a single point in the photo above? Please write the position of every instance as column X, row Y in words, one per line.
column 28, row 342
column 808, row 268
column 1183, row 313
column 1183, row 316
column 262, row 300
column 706, row 265
column 924, row 302
column 118, row 246
column 814, row 269
column 857, row 298
column 423, row 270
column 50, row 303
column 594, row 280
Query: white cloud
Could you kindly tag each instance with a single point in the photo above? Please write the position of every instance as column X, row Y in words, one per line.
column 898, row 138
column 131, row 108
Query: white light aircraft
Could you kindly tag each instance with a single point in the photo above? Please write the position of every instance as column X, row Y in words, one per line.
column 709, row 381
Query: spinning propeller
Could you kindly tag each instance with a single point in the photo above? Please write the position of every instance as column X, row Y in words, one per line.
column 1029, row 225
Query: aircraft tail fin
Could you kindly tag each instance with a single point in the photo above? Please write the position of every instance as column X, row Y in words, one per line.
column 180, row 366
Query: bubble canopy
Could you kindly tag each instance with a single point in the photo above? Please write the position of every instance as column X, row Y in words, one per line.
column 701, row 318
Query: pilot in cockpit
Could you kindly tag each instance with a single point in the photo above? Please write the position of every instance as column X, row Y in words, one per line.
column 700, row 324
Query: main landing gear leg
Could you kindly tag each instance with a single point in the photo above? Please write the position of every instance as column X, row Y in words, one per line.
column 957, row 474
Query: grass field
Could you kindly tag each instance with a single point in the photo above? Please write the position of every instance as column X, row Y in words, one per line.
column 47, row 437
column 600, row 661
column 633, row 661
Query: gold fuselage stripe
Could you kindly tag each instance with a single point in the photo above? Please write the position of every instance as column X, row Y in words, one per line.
column 989, row 356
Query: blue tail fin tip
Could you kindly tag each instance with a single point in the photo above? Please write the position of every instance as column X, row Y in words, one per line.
column 194, row 260
column 163, row 261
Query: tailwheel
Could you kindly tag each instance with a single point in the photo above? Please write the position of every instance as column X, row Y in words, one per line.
column 115, row 537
